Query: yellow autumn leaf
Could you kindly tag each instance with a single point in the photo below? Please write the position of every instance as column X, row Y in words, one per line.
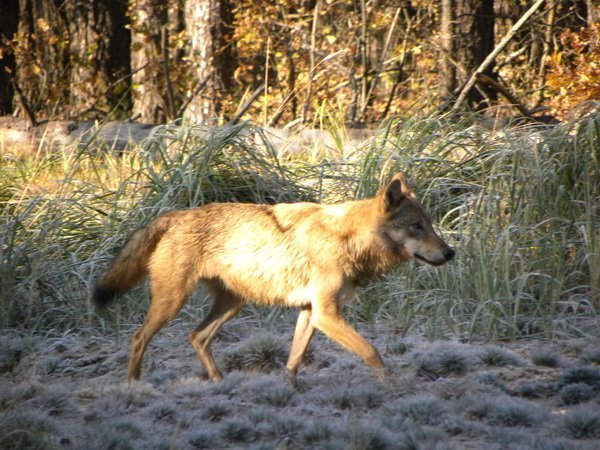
column 43, row 25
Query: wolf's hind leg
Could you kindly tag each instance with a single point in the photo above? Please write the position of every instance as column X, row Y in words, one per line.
column 226, row 305
column 302, row 336
column 167, row 299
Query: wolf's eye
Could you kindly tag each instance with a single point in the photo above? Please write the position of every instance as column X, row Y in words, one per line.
column 417, row 226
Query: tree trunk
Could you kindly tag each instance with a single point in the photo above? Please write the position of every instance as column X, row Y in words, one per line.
column 40, row 58
column 98, row 55
column 9, row 20
column 148, row 23
column 118, row 64
column 89, row 33
column 208, row 26
column 447, row 69
column 473, row 41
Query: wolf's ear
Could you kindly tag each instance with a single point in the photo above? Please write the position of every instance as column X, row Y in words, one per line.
column 396, row 191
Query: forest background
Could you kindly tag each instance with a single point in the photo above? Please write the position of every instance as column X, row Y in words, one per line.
column 218, row 61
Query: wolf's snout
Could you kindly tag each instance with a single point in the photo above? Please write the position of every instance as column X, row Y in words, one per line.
column 448, row 253
column 436, row 257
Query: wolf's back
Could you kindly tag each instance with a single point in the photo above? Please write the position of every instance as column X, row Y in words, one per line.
column 130, row 265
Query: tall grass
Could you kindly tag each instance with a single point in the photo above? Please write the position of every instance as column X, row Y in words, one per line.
column 520, row 204
column 523, row 209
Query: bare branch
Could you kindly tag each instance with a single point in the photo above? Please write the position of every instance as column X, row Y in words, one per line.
column 492, row 56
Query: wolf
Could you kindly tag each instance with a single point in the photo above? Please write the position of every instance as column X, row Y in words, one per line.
column 304, row 255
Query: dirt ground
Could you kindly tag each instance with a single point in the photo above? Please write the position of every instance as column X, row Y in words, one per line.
column 69, row 392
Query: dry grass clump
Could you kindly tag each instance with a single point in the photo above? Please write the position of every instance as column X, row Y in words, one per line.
column 201, row 439
column 546, row 357
column 118, row 434
column 13, row 394
column 424, row 409
column 490, row 379
column 272, row 390
column 189, row 389
column 443, row 360
column 164, row 412
column 352, row 397
column 215, row 410
column 575, row 393
column 498, row 357
column 536, row 389
column 238, row 431
column 12, row 349
column 278, row 430
column 316, row 434
column 263, row 352
column 55, row 400
column 515, row 439
column 229, row 386
column 579, row 385
column 367, row 435
column 416, row 437
column 586, row 375
column 503, row 410
column 582, row 422
column 397, row 347
column 278, row 395
column 29, row 430
column 591, row 355
column 117, row 399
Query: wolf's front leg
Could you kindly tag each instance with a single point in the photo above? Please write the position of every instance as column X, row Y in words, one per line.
column 327, row 317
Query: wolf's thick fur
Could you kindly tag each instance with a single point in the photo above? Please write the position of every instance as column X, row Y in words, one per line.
column 304, row 255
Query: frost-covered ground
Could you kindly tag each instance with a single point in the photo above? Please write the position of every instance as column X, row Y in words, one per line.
column 70, row 393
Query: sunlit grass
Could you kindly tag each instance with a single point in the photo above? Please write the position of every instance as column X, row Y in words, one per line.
column 520, row 205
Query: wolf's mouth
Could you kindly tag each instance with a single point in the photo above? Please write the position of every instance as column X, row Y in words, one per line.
column 433, row 263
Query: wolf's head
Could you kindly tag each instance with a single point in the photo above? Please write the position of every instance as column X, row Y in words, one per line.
column 406, row 228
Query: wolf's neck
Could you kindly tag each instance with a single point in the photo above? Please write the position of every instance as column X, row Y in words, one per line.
column 368, row 257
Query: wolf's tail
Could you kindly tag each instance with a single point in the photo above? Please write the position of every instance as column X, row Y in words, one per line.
column 131, row 264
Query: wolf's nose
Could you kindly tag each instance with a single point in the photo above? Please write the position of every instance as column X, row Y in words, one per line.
column 448, row 253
